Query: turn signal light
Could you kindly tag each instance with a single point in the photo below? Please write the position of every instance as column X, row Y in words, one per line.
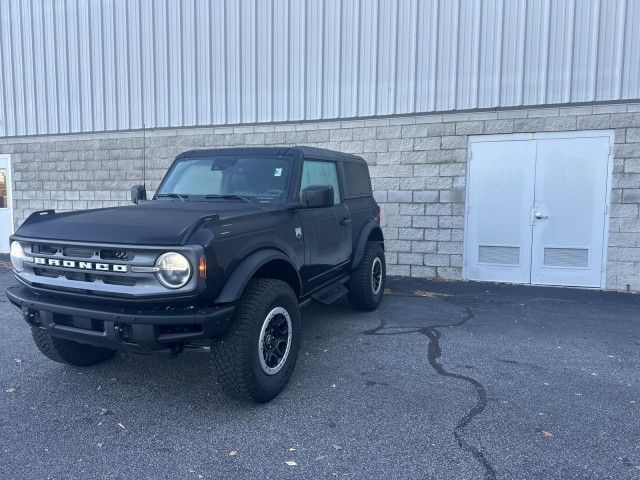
column 202, row 267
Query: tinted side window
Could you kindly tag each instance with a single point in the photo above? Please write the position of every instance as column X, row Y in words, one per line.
column 357, row 179
column 315, row 172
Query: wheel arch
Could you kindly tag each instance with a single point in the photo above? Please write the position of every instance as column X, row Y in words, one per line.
column 265, row 263
column 370, row 232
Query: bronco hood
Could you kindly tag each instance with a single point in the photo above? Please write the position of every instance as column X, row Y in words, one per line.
column 162, row 222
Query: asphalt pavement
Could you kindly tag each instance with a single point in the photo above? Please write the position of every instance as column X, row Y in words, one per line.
column 444, row 381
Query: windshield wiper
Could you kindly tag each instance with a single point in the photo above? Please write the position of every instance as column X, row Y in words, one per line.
column 172, row 195
column 230, row 196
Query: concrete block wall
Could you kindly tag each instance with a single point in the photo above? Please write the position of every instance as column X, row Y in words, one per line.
column 417, row 163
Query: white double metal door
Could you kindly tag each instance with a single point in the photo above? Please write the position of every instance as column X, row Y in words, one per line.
column 537, row 208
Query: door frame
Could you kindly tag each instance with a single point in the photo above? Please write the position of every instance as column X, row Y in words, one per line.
column 7, row 157
column 609, row 134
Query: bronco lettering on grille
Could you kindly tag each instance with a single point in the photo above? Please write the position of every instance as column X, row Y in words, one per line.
column 101, row 267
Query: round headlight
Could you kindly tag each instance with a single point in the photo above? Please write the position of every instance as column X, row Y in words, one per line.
column 174, row 270
column 17, row 255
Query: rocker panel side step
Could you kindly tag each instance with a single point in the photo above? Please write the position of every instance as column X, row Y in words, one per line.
column 330, row 293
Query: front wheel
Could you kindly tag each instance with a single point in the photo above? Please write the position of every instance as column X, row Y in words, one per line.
column 255, row 358
column 366, row 286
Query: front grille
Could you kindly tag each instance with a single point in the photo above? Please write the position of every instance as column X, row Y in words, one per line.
column 45, row 249
column 78, row 252
column 88, row 254
column 116, row 255
column 43, row 272
column 78, row 276
column 83, row 252
column 76, row 268
column 117, row 280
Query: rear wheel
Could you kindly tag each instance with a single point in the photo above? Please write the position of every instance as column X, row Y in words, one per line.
column 66, row 351
column 255, row 358
column 366, row 286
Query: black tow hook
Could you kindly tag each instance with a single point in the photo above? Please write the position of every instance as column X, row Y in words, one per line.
column 32, row 317
column 123, row 332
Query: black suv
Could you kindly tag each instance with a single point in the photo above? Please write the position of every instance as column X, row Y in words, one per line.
column 232, row 244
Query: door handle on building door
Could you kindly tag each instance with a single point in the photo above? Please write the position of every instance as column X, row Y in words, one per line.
column 536, row 215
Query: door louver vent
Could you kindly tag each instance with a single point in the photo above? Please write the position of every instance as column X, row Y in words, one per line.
column 566, row 257
column 499, row 255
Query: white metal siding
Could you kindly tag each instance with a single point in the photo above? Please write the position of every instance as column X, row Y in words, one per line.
column 92, row 65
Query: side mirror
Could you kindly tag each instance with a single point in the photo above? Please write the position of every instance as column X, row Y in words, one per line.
column 317, row 196
column 138, row 192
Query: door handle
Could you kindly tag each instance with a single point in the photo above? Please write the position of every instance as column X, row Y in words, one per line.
column 536, row 215
column 345, row 221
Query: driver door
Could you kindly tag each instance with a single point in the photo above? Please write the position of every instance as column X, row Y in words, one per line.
column 325, row 231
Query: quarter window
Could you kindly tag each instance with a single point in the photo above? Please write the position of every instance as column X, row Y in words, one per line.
column 357, row 179
column 316, row 173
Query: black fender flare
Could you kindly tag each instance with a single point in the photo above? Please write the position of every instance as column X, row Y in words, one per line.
column 244, row 271
column 362, row 242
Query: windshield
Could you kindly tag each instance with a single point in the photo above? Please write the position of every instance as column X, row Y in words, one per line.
column 257, row 179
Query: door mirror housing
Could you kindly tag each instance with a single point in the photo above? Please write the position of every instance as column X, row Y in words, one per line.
column 317, row 196
column 138, row 192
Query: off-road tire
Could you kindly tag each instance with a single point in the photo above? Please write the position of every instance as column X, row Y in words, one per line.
column 236, row 354
column 66, row 351
column 361, row 293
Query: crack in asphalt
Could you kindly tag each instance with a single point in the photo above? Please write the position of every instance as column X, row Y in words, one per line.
column 434, row 352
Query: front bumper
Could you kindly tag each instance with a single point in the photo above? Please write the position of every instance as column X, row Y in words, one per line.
column 121, row 327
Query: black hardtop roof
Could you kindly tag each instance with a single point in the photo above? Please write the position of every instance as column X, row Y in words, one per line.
column 307, row 152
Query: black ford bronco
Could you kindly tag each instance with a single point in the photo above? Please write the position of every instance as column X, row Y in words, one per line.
column 221, row 259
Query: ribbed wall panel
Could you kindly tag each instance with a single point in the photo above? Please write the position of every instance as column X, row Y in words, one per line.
column 94, row 65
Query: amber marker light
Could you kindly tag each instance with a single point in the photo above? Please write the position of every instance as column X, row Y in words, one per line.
column 202, row 267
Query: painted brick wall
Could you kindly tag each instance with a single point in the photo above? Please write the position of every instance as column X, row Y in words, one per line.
column 417, row 162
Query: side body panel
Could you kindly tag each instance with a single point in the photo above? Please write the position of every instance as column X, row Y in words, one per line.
column 327, row 240
column 232, row 242
column 362, row 212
